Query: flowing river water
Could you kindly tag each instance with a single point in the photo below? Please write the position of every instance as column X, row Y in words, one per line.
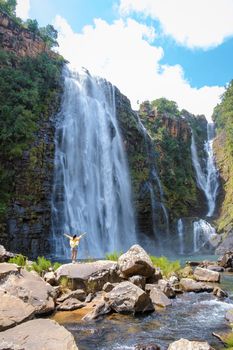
column 192, row 316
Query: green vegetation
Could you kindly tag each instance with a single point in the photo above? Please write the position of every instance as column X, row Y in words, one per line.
column 166, row 106
column 28, row 88
column 114, row 256
column 19, row 260
column 223, row 117
column 41, row 265
column 167, row 267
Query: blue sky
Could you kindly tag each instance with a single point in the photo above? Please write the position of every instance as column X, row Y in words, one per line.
column 180, row 49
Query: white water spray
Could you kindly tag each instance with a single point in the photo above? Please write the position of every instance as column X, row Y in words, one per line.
column 91, row 183
column 203, row 232
column 180, row 230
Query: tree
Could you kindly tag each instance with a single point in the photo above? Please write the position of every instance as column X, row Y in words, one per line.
column 49, row 35
column 166, row 106
column 8, row 6
column 32, row 25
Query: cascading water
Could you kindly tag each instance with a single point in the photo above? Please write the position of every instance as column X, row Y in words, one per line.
column 91, row 182
column 203, row 232
column 180, row 230
column 207, row 182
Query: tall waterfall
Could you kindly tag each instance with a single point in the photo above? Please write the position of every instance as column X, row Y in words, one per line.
column 207, row 181
column 92, row 190
column 202, row 233
column 180, row 230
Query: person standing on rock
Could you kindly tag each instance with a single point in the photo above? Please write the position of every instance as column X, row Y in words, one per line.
column 74, row 242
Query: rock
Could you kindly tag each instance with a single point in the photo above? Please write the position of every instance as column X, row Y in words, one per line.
column 157, row 296
column 227, row 259
column 205, row 275
column 184, row 344
column 7, row 269
column 13, row 311
column 166, row 288
column 128, row 298
column 226, row 246
column 155, row 277
column 90, row 276
column 189, row 285
column 5, row 255
column 90, row 297
column 70, row 304
column 136, row 262
column 32, row 289
column 50, row 278
column 219, row 293
column 76, row 294
column 173, row 280
column 215, row 268
column 186, row 272
column 102, row 308
column 147, row 347
column 193, row 263
column 39, row 334
column 108, row 287
column 229, row 269
column 138, row 280
column 229, row 315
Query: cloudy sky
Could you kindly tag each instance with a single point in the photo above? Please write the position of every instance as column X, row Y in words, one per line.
column 178, row 49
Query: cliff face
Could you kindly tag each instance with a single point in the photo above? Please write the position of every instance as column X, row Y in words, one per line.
column 31, row 90
column 21, row 41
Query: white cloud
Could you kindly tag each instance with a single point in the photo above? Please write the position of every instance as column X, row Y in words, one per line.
column 122, row 53
column 193, row 23
column 22, row 9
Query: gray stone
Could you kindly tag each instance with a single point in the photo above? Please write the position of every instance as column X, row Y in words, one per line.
column 8, row 269
column 229, row 315
column 215, row 268
column 50, row 278
column 76, row 294
column 39, row 334
column 150, row 346
column 139, row 281
column 136, row 262
column 189, row 285
column 166, row 288
column 70, row 304
column 158, row 297
column 205, row 275
column 184, row 344
column 102, row 308
column 109, row 286
column 219, row 293
column 13, row 310
column 128, row 298
column 226, row 245
column 226, row 260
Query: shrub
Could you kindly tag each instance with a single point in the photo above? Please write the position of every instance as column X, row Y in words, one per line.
column 114, row 256
column 19, row 260
column 56, row 265
column 166, row 266
column 41, row 265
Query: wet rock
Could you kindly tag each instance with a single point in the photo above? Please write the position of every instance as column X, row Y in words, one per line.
column 227, row 259
column 215, row 268
column 226, row 246
column 70, row 304
column 184, row 344
column 90, row 276
column 189, row 285
column 13, row 311
column 90, row 297
column 139, row 281
column 8, row 269
column 229, row 315
column 128, row 298
column 76, row 294
column 166, row 288
column 219, row 293
column 102, row 308
column 193, row 263
column 37, row 335
column 147, row 347
column 32, row 289
column 205, row 275
column 229, row 269
column 4, row 254
column 136, row 262
column 157, row 296
column 50, row 278
column 155, row 277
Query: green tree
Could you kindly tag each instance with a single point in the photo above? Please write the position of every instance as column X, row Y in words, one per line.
column 49, row 35
column 32, row 25
column 166, row 106
column 8, row 6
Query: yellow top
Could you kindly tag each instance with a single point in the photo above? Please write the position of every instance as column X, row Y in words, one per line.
column 74, row 242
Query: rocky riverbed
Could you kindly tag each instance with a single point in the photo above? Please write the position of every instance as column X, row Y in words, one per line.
column 127, row 304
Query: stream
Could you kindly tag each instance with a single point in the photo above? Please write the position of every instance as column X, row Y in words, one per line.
column 191, row 316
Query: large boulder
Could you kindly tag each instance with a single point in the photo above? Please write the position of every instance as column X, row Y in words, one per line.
column 37, row 335
column 70, row 304
column 184, row 344
column 32, row 289
column 8, row 269
column 226, row 260
column 77, row 294
column 136, row 262
column 13, row 311
column 166, row 288
column 102, row 308
column 189, row 285
column 226, row 245
column 5, row 255
column 126, row 297
column 157, row 296
column 90, row 276
column 205, row 275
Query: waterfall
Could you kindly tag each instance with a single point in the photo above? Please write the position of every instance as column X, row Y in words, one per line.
column 180, row 230
column 207, row 182
column 202, row 234
column 92, row 190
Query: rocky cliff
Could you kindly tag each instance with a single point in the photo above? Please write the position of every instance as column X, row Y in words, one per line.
column 31, row 87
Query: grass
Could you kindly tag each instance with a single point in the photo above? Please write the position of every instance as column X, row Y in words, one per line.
column 19, row 260
column 114, row 256
column 228, row 341
column 166, row 266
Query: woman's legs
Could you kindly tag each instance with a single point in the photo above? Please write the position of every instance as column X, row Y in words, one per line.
column 74, row 254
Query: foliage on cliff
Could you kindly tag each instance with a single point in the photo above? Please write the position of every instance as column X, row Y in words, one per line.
column 28, row 88
column 223, row 117
column 170, row 131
